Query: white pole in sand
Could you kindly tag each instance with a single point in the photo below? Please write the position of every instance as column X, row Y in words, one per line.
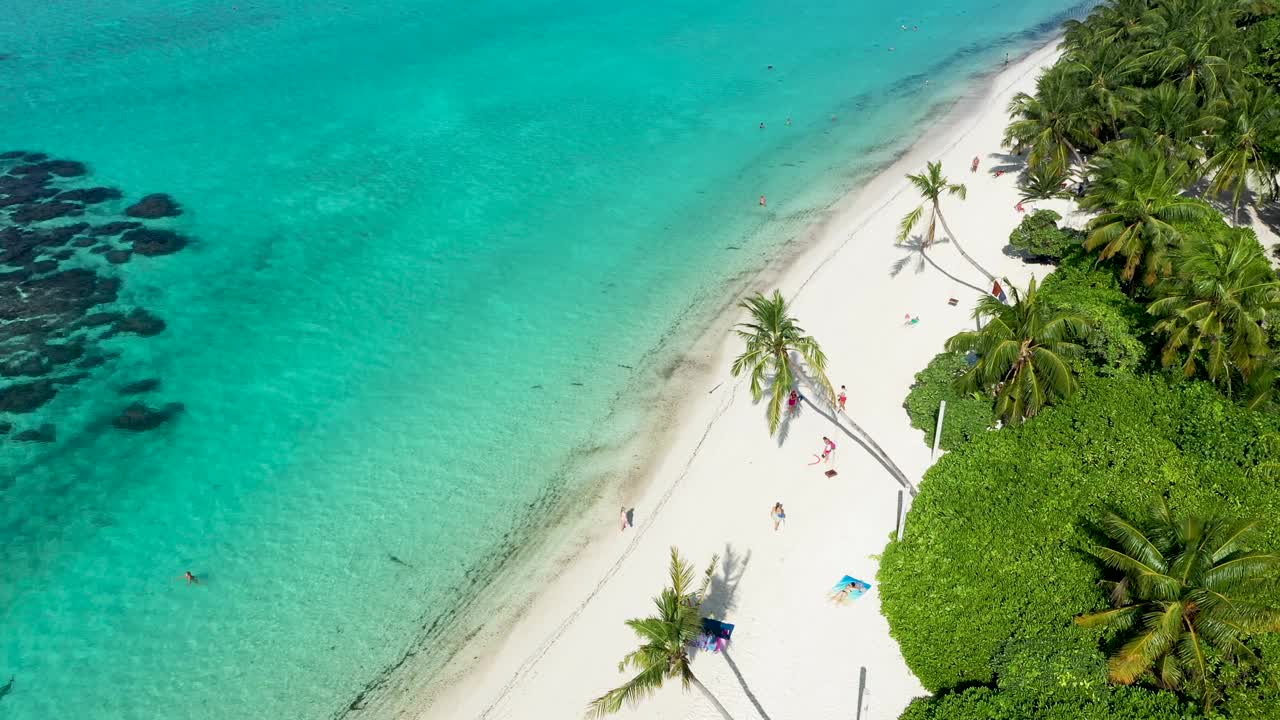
column 902, row 515
column 937, row 432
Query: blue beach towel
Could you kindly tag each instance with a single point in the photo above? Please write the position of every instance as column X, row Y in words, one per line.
column 860, row 587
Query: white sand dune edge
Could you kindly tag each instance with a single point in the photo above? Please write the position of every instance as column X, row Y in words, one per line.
column 794, row 654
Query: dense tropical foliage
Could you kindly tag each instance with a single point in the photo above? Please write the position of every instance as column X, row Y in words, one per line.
column 996, row 553
column 1163, row 116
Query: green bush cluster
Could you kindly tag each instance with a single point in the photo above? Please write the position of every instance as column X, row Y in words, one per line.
column 984, row 703
column 967, row 416
column 1038, row 237
column 1120, row 325
column 994, row 548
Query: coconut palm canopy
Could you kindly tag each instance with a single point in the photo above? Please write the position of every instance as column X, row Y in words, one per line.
column 666, row 637
column 1182, row 597
column 771, row 337
column 1213, row 311
column 1022, row 352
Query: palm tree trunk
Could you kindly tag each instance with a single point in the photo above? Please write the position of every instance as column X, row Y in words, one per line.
column 723, row 713
column 938, row 267
column 972, row 262
column 884, row 456
column 1076, row 154
column 869, row 444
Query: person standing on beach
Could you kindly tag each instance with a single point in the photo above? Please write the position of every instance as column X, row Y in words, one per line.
column 622, row 518
column 842, row 398
column 778, row 514
column 763, row 202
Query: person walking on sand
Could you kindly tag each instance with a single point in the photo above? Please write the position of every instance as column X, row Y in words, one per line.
column 622, row 518
column 793, row 402
column 842, row 398
column 779, row 515
column 973, row 167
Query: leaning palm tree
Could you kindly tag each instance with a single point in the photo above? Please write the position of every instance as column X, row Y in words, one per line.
column 771, row 337
column 932, row 184
column 1252, row 121
column 666, row 637
column 1022, row 353
column 1185, row 595
column 1213, row 311
column 1142, row 214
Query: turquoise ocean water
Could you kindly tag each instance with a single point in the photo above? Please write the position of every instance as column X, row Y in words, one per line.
column 428, row 239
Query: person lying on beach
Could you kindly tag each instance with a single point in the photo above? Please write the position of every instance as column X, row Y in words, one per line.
column 828, row 448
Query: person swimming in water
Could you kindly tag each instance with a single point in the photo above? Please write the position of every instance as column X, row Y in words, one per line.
column 191, row 579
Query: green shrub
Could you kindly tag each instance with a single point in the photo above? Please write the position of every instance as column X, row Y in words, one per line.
column 994, row 548
column 983, row 703
column 1045, row 670
column 1038, row 237
column 1121, row 327
column 967, row 416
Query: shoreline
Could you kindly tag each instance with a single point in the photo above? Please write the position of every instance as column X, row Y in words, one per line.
column 587, row 561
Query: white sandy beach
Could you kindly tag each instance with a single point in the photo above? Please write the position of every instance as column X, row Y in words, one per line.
column 711, row 492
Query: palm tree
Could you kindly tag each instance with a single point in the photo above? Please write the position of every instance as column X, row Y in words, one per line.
column 1253, row 119
column 1184, row 596
column 1109, row 23
column 932, row 184
column 1044, row 182
column 1169, row 119
column 1190, row 57
column 1142, row 212
column 1105, row 73
column 1213, row 310
column 1022, row 353
column 771, row 337
column 1051, row 123
column 666, row 637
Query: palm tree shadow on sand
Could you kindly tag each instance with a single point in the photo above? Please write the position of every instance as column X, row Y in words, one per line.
column 720, row 600
column 860, row 436
column 917, row 254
